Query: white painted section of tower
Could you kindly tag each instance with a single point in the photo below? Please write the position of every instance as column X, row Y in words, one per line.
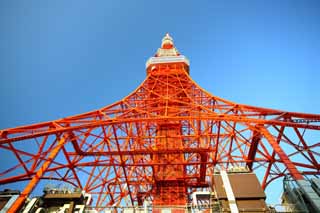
column 229, row 192
column 167, row 59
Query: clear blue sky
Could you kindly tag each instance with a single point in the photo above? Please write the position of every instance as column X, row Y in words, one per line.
column 60, row 58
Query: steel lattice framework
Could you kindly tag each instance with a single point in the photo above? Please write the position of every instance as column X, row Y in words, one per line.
column 168, row 133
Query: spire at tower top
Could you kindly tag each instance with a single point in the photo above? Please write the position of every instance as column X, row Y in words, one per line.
column 167, row 47
column 167, row 42
column 167, row 54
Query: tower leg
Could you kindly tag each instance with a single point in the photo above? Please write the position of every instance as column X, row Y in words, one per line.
column 283, row 156
column 35, row 180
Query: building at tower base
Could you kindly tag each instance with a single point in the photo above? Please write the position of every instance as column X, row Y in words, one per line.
column 301, row 198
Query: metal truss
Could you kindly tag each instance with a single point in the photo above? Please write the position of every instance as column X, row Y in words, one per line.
column 168, row 129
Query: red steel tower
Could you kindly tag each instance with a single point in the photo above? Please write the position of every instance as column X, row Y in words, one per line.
column 160, row 143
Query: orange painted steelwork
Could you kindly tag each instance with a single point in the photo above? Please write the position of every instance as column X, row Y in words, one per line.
column 161, row 142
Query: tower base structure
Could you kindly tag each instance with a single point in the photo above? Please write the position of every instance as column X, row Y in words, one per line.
column 235, row 190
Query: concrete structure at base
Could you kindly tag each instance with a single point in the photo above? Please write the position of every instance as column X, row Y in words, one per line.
column 239, row 191
column 235, row 190
column 303, row 196
column 7, row 198
column 53, row 200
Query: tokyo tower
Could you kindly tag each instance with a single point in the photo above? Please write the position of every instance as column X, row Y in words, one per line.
column 161, row 143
